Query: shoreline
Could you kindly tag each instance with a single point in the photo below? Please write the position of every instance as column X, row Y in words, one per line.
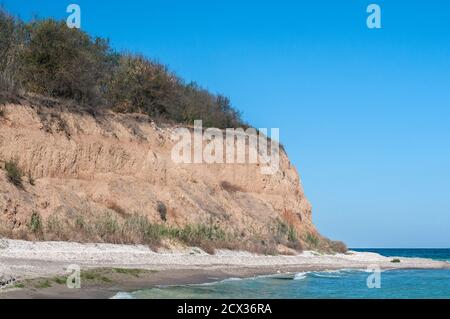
column 130, row 268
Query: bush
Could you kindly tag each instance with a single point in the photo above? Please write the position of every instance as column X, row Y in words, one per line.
column 55, row 226
column 13, row 173
column 63, row 62
column 48, row 58
column 396, row 260
column 11, row 39
column 36, row 223
column 313, row 240
column 162, row 210
column 140, row 85
column 292, row 234
column 230, row 188
column 338, row 247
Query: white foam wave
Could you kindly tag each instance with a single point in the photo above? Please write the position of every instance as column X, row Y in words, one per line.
column 300, row 275
column 122, row 295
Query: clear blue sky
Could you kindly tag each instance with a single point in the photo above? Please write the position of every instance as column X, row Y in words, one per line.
column 364, row 114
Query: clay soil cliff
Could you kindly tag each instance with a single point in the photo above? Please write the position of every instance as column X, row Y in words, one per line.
column 109, row 177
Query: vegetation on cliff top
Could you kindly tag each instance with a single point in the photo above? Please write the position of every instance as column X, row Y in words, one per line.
column 46, row 57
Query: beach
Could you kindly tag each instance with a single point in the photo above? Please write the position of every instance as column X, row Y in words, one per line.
column 26, row 261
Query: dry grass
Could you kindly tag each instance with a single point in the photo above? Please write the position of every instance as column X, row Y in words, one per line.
column 286, row 234
column 230, row 188
column 338, row 247
column 137, row 229
column 116, row 207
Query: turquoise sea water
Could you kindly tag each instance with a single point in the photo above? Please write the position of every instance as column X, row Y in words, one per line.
column 324, row 284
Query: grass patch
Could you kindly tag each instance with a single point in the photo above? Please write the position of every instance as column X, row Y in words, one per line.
column 55, row 226
column 96, row 275
column 286, row 234
column 138, row 229
column 312, row 240
column 42, row 284
column 60, row 280
column 117, row 208
column 131, row 272
column 19, row 285
column 292, row 234
column 13, row 173
column 35, row 223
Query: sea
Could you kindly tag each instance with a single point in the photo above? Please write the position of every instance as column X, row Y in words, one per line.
column 341, row 284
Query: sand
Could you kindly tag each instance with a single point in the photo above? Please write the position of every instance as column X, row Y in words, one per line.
column 20, row 260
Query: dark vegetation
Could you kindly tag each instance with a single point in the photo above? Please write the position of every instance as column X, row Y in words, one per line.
column 46, row 58
column 97, row 276
column 13, row 173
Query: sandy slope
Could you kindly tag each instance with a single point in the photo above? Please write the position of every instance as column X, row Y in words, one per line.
column 121, row 164
column 21, row 259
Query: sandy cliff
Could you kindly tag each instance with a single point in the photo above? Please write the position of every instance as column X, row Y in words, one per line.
column 85, row 166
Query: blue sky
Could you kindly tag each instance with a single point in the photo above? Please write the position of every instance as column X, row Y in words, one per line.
column 364, row 114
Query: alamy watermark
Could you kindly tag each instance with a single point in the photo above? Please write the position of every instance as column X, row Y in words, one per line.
column 74, row 279
column 374, row 19
column 374, row 279
column 74, row 19
column 238, row 146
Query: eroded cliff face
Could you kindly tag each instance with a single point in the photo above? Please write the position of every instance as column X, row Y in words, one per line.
column 120, row 165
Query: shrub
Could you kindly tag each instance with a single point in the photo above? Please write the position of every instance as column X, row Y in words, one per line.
column 230, row 187
column 396, row 260
column 11, row 39
column 292, row 234
column 62, row 62
column 48, row 58
column 35, row 223
column 338, row 246
column 55, row 226
column 162, row 210
column 312, row 240
column 13, row 173
column 107, row 227
column 140, row 85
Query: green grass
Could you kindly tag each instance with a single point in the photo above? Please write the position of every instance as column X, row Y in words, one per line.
column 13, row 173
column 312, row 240
column 60, row 280
column 35, row 223
column 132, row 272
column 292, row 234
column 19, row 285
column 95, row 275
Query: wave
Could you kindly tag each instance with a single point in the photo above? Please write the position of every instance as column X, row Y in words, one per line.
column 122, row 295
column 300, row 275
column 327, row 273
